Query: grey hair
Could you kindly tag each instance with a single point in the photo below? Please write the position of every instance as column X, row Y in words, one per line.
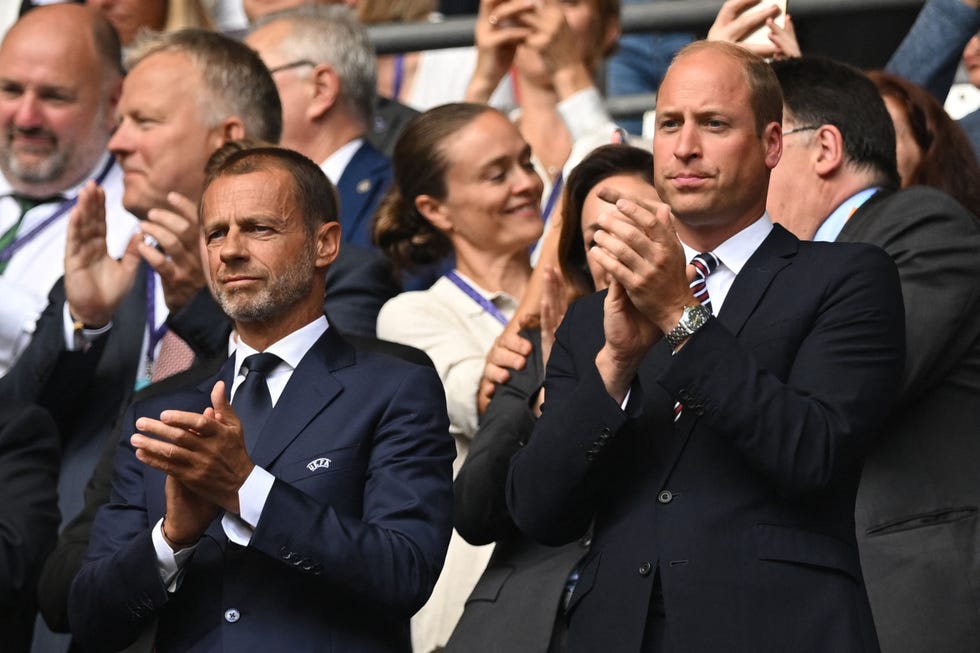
column 332, row 34
column 237, row 82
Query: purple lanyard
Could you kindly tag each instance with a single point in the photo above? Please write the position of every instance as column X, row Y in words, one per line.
column 155, row 333
column 553, row 197
column 396, row 84
column 62, row 208
column 471, row 292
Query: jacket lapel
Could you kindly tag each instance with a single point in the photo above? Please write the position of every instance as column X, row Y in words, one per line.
column 853, row 229
column 310, row 389
column 357, row 187
column 750, row 285
column 743, row 298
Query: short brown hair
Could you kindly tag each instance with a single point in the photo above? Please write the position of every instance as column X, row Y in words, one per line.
column 315, row 196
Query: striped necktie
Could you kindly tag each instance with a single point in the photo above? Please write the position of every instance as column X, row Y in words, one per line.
column 703, row 264
column 25, row 204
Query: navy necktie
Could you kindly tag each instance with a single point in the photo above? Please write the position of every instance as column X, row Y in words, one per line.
column 252, row 401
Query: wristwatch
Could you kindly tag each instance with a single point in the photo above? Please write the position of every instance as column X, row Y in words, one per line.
column 692, row 319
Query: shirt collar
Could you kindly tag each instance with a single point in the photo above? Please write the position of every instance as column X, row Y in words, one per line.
column 506, row 302
column 335, row 164
column 290, row 349
column 834, row 224
column 736, row 251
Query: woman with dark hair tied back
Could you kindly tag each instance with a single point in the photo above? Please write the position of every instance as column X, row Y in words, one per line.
column 517, row 604
column 933, row 150
column 463, row 185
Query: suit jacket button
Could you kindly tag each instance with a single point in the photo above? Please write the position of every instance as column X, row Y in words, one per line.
column 232, row 615
column 645, row 569
column 665, row 497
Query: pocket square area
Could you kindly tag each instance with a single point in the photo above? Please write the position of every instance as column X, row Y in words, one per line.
column 318, row 463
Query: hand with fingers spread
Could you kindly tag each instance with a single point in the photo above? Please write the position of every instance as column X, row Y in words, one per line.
column 738, row 18
column 499, row 30
column 205, row 452
column 179, row 264
column 95, row 283
column 553, row 41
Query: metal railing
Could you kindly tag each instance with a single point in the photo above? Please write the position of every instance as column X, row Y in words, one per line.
column 685, row 16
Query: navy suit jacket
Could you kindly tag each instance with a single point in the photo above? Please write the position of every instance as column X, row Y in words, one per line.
column 364, row 182
column 343, row 553
column 744, row 508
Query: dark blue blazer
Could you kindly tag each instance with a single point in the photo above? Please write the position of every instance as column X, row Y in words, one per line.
column 343, row 553
column 365, row 180
column 743, row 509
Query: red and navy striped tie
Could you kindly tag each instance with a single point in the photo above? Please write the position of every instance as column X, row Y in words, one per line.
column 704, row 264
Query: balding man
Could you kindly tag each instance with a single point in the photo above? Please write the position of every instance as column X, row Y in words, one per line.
column 713, row 432
column 60, row 79
column 103, row 330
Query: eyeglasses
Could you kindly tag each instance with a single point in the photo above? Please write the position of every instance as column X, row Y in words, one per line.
column 801, row 129
column 290, row 65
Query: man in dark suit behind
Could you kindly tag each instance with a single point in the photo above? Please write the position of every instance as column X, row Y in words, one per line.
column 328, row 529
column 729, row 525
column 917, row 523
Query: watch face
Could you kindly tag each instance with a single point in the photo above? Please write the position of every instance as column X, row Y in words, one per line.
column 694, row 317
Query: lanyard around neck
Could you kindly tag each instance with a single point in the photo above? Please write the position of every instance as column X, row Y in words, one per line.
column 472, row 293
column 60, row 210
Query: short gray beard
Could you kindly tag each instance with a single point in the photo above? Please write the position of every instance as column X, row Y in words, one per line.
column 47, row 170
column 283, row 293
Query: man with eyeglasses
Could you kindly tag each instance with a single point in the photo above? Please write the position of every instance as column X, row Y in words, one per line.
column 323, row 65
column 916, row 512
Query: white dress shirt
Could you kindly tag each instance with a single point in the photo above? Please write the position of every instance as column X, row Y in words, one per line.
column 34, row 268
column 254, row 492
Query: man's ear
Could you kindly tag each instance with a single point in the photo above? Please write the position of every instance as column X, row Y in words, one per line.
column 435, row 212
column 325, row 84
column 327, row 243
column 230, row 129
column 772, row 139
column 830, row 155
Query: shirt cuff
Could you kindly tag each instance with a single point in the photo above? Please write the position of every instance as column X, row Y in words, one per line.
column 584, row 113
column 169, row 564
column 252, row 496
column 79, row 339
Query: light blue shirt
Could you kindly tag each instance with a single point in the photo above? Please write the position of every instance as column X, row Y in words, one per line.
column 832, row 226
